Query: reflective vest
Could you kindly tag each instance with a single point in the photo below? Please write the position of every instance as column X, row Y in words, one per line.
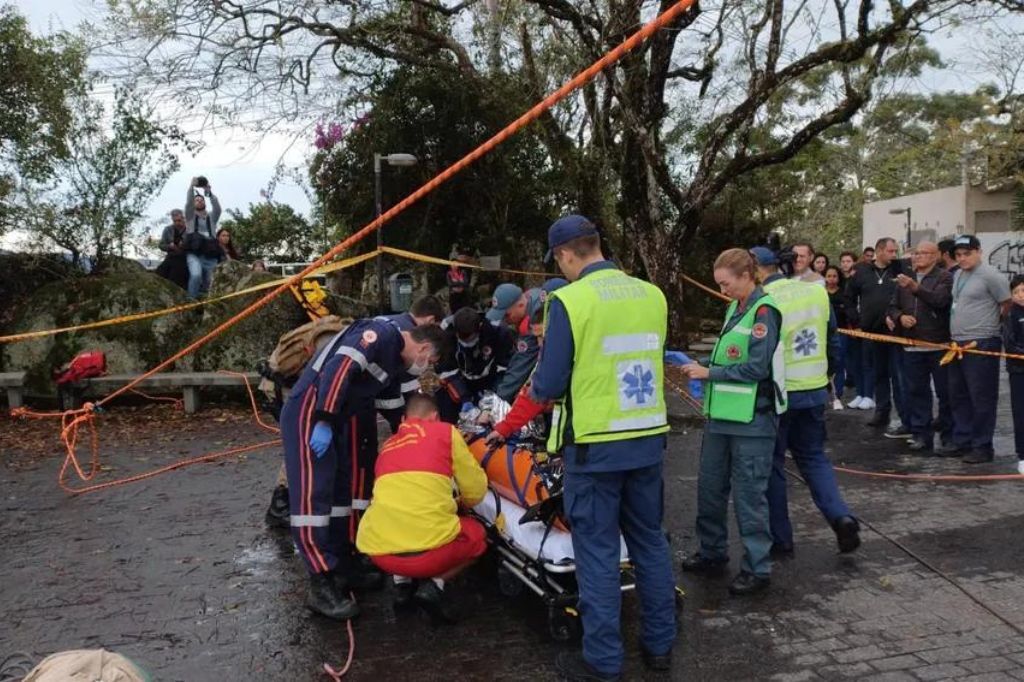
column 616, row 391
column 804, row 337
column 735, row 401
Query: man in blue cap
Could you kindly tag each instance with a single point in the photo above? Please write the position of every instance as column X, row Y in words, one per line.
column 602, row 366
column 810, row 345
column 527, row 345
column 508, row 305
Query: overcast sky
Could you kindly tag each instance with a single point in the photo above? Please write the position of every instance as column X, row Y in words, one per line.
column 239, row 165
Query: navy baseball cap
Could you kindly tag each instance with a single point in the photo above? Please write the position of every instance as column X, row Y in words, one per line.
column 966, row 241
column 564, row 230
column 764, row 256
column 505, row 296
column 537, row 297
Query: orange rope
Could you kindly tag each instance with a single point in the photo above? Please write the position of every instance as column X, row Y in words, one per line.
column 162, row 470
column 934, row 478
column 533, row 114
column 178, row 403
column 73, row 419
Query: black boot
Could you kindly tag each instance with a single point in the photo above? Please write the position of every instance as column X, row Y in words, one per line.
column 880, row 419
column 662, row 663
column 365, row 576
column 328, row 597
column 847, row 533
column 747, row 583
column 699, row 564
column 403, row 595
column 573, row 667
column 277, row 514
column 434, row 601
column 781, row 552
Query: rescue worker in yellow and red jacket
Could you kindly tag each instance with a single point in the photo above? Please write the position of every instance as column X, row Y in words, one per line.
column 412, row 528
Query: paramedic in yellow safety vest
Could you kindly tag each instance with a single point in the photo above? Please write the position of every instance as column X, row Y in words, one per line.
column 743, row 398
column 412, row 529
column 602, row 366
column 810, row 344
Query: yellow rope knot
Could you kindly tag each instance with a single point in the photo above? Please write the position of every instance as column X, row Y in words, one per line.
column 956, row 352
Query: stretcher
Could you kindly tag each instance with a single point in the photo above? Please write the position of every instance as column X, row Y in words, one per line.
column 528, row 531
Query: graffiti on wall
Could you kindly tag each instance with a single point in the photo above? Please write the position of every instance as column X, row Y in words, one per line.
column 1008, row 257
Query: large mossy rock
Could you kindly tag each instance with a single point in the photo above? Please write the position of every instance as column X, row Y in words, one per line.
column 129, row 347
column 254, row 338
column 134, row 347
column 22, row 274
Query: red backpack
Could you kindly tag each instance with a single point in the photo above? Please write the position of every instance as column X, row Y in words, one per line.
column 88, row 363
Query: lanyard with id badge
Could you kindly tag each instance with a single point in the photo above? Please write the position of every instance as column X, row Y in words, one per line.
column 958, row 287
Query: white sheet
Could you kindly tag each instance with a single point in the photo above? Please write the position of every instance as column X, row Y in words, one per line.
column 529, row 537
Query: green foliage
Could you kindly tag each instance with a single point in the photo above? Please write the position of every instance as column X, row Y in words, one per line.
column 38, row 78
column 503, row 201
column 100, row 192
column 275, row 231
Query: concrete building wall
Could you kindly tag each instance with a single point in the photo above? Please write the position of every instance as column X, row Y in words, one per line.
column 950, row 211
column 933, row 215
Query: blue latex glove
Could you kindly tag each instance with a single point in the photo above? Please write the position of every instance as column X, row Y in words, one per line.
column 321, row 438
column 677, row 357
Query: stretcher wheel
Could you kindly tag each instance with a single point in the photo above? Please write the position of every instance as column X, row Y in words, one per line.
column 564, row 624
column 509, row 584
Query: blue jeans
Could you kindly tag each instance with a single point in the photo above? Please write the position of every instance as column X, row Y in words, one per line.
column 889, row 381
column 921, row 368
column 853, row 362
column 867, row 368
column 599, row 505
column 974, row 390
column 200, row 271
column 1017, row 408
column 802, row 432
column 741, row 464
column 839, row 381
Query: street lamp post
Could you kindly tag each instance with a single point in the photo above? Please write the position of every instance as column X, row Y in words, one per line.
column 391, row 160
column 899, row 211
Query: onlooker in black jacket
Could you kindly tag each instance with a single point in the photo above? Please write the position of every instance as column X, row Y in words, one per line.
column 868, row 294
column 920, row 310
column 1013, row 342
column 172, row 242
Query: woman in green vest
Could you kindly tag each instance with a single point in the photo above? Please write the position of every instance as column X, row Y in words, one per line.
column 743, row 398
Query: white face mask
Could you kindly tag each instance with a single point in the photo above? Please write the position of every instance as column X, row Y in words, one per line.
column 469, row 344
column 418, row 369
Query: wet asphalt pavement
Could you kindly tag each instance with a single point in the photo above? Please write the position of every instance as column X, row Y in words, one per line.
column 179, row 573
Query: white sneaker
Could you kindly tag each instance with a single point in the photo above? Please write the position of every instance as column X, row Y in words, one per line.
column 837, row 404
column 866, row 404
column 1020, row 467
column 855, row 403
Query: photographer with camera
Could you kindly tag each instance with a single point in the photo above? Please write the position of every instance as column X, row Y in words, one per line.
column 203, row 252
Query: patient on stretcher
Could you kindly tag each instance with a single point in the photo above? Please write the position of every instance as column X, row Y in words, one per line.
column 412, row 528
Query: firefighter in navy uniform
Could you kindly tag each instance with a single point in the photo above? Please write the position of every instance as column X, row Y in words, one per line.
column 527, row 345
column 390, row 403
column 482, row 351
column 320, row 432
column 602, row 366
column 810, row 344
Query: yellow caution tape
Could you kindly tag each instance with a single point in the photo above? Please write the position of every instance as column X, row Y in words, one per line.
column 326, row 269
column 135, row 317
column 412, row 255
column 953, row 350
